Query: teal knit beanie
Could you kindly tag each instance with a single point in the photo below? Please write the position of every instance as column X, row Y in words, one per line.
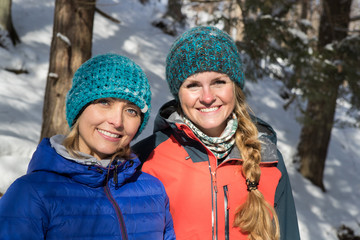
column 108, row 76
column 202, row 49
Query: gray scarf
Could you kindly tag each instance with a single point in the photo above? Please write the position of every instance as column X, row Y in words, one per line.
column 219, row 146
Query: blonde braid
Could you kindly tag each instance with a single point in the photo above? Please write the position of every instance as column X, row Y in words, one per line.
column 256, row 217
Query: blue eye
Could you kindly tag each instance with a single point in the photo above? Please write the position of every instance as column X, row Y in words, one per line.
column 133, row 112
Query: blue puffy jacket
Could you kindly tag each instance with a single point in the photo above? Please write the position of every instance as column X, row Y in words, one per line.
column 62, row 199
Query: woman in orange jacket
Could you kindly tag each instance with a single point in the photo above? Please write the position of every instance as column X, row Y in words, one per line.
column 220, row 166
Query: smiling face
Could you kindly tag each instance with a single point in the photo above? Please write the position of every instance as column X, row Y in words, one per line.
column 107, row 125
column 208, row 99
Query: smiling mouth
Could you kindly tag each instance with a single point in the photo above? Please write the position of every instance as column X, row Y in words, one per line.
column 109, row 134
column 206, row 110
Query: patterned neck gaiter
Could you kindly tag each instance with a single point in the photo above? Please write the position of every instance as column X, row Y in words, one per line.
column 219, row 146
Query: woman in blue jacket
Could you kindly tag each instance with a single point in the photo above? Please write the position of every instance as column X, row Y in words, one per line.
column 86, row 185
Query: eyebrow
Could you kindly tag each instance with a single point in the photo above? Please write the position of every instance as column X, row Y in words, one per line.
column 219, row 77
column 132, row 104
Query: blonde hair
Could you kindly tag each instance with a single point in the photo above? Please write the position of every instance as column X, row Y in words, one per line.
column 71, row 143
column 255, row 217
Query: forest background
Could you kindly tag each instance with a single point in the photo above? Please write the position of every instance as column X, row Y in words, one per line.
column 302, row 67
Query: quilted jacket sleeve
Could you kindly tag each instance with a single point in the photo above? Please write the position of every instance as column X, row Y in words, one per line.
column 21, row 213
column 285, row 206
column 169, row 233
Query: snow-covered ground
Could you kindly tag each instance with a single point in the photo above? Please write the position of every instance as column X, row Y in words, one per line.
column 21, row 101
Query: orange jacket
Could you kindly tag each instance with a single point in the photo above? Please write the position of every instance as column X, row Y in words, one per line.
column 204, row 196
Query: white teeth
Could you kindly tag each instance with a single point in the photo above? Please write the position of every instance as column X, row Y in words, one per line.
column 209, row 109
column 109, row 134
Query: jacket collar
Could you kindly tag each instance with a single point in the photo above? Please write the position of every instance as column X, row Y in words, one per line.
column 45, row 158
column 56, row 142
column 268, row 153
column 167, row 119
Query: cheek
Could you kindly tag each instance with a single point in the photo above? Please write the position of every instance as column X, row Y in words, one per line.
column 84, row 125
column 186, row 107
column 232, row 100
column 187, row 99
column 181, row 96
column 132, row 125
column 229, row 96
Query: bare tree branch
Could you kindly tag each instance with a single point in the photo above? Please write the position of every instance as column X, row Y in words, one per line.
column 356, row 18
column 105, row 15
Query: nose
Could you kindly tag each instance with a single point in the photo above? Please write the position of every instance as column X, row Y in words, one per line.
column 115, row 117
column 207, row 96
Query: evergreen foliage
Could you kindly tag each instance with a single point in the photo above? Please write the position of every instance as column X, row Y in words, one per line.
column 271, row 38
column 276, row 43
column 275, row 37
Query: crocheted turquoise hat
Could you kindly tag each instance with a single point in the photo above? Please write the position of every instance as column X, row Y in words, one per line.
column 202, row 49
column 104, row 76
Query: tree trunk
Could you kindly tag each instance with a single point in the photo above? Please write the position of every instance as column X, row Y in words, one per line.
column 70, row 47
column 304, row 12
column 334, row 21
column 319, row 116
column 174, row 11
column 316, row 133
column 6, row 21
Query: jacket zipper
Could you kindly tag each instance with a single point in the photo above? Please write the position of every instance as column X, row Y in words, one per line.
column 214, row 195
column 214, row 191
column 118, row 212
column 226, row 206
column 214, row 210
